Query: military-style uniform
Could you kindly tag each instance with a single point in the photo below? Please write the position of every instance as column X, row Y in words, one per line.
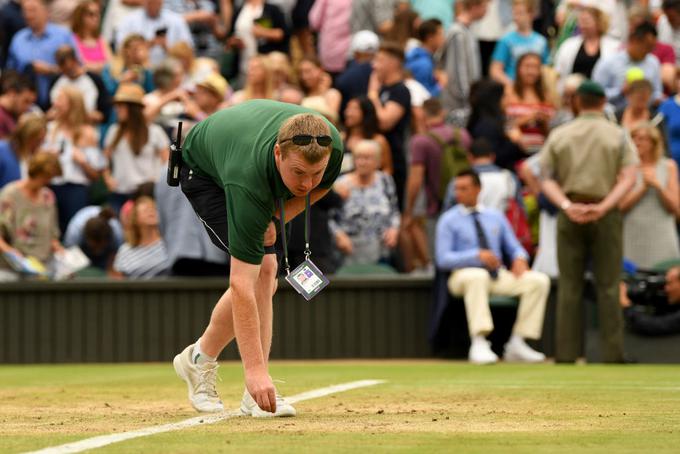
column 585, row 157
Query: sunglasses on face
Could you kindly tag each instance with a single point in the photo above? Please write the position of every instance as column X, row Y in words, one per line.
column 304, row 139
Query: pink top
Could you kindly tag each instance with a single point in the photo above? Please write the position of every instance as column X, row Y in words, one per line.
column 331, row 20
column 89, row 54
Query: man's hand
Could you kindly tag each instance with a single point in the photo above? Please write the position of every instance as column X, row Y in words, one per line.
column 270, row 234
column 595, row 212
column 519, row 267
column 41, row 67
column 489, row 259
column 578, row 213
column 344, row 243
column 259, row 385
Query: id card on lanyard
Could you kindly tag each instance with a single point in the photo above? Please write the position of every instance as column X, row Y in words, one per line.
column 306, row 278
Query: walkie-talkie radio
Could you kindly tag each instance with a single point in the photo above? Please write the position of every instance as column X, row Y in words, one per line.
column 175, row 161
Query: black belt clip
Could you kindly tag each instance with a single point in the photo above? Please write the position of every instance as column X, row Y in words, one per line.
column 175, row 161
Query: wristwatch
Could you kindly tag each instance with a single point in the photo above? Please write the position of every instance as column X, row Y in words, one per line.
column 564, row 206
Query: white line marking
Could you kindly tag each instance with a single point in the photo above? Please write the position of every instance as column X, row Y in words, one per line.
column 104, row 440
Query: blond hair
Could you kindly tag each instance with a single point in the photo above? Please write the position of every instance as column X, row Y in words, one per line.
column 601, row 19
column 29, row 126
column 371, row 145
column 304, row 124
column 268, row 81
column 654, row 135
column 76, row 117
column 44, row 163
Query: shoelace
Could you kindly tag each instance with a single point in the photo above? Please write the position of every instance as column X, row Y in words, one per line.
column 208, row 373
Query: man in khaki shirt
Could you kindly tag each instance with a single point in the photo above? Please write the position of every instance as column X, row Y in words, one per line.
column 588, row 166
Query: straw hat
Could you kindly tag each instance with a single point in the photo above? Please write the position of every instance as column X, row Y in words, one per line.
column 215, row 83
column 129, row 92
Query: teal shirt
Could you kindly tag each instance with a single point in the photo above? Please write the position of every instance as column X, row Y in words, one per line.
column 235, row 147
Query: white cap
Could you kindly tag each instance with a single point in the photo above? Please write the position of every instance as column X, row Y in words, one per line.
column 365, row 41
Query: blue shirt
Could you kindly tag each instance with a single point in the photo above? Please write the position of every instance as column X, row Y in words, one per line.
column 27, row 48
column 76, row 227
column 456, row 244
column 610, row 72
column 671, row 115
column 419, row 61
column 10, row 169
column 513, row 45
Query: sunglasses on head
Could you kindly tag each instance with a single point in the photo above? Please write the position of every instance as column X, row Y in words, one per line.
column 305, row 139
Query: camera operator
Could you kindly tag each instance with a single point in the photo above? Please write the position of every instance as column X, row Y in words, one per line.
column 666, row 319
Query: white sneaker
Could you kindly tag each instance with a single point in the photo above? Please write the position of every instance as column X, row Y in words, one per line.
column 250, row 408
column 481, row 353
column 200, row 379
column 517, row 350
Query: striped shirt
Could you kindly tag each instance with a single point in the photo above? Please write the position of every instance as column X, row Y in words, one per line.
column 142, row 261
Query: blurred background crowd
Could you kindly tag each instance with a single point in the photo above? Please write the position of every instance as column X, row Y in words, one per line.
column 91, row 92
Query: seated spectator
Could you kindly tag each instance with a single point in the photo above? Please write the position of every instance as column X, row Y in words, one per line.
column 166, row 104
column 638, row 106
column 367, row 227
column 28, row 215
column 76, row 142
column 20, row 146
column 93, row 50
column 17, row 95
column 429, row 168
column 284, row 79
column 528, row 107
column 651, row 207
column 316, row 83
column 259, row 82
column 190, row 250
column 97, row 100
column 331, row 18
column 136, row 149
column 579, row 54
column 43, row 39
column 669, row 26
column 638, row 14
column 208, row 97
column 670, row 109
column 97, row 232
column 470, row 243
column 11, row 21
column 129, row 65
column 353, row 82
column 161, row 28
column 487, row 120
column 195, row 69
column 361, row 123
column 143, row 254
column 420, row 62
column 664, row 324
column 204, row 23
column 513, row 45
column 612, row 71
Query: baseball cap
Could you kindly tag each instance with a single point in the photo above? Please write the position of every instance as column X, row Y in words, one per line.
column 365, row 41
column 215, row 83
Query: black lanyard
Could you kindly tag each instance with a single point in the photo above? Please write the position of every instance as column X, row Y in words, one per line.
column 284, row 240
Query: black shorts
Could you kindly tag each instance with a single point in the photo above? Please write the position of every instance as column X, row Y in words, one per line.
column 209, row 203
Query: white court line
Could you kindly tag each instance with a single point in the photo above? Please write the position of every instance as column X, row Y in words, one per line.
column 104, row 440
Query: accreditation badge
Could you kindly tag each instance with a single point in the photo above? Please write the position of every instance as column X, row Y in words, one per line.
column 307, row 279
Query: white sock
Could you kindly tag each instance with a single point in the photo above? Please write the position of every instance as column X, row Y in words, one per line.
column 198, row 357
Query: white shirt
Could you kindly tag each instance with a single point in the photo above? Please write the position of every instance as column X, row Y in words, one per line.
column 130, row 170
column 84, row 84
column 71, row 172
column 419, row 93
column 244, row 30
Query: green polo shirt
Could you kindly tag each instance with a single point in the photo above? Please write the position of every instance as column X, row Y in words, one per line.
column 235, row 147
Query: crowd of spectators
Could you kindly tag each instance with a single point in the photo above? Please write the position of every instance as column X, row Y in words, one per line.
column 420, row 89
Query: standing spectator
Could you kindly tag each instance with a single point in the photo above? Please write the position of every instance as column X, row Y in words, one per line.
column 24, row 142
column 374, row 15
column 11, row 21
column 97, row 232
column 470, row 244
column 353, row 81
column 90, row 85
column 284, row 78
column 490, row 29
column 143, row 255
column 330, row 18
column 33, row 48
column 579, row 54
column 28, row 215
column 649, row 231
column 517, row 43
column 420, row 62
column 17, row 95
column 426, row 171
column 161, row 28
column 114, row 16
column 92, row 48
column 663, row 51
column 527, row 105
column 637, row 110
column 588, row 168
column 392, row 102
column 669, row 26
column 136, row 149
column 404, row 25
column 208, row 98
column 259, row 82
column 317, row 84
column 129, row 65
column 76, row 142
column 612, row 71
column 488, row 120
column 361, row 123
column 670, row 109
column 368, row 225
column 203, row 22
column 460, row 59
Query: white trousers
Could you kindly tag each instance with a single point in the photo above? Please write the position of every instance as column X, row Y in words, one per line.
column 475, row 285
